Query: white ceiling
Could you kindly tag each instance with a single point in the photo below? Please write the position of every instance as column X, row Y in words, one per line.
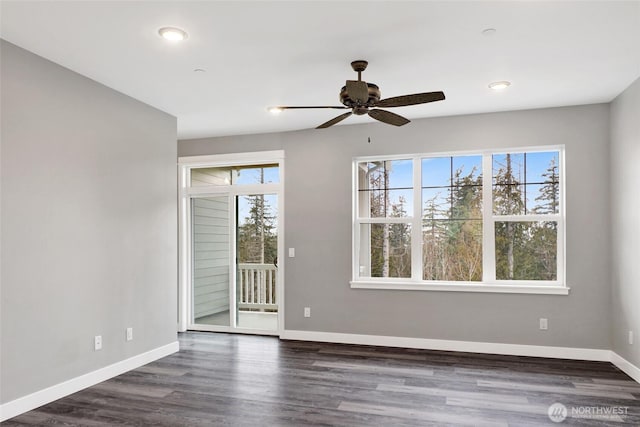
column 298, row 53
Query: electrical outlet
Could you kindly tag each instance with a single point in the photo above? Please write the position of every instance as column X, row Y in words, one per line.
column 307, row 312
column 630, row 337
column 544, row 324
column 129, row 334
column 97, row 342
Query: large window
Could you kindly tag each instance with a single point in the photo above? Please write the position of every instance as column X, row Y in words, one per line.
column 485, row 219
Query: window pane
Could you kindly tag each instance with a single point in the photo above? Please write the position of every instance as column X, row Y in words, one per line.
column 385, row 189
column 400, row 173
column 508, row 168
column 385, row 250
column 436, row 203
column 237, row 175
column 466, row 202
column 211, row 239
column 436, row 172
column 526, row 183
column 450, row 171
column 468, row 169
column 257, row 228
column 452, row 203
column 526, row 250
column 542, row 167
column 257, row 174
column 508, row 199
column 452, row 187
column 508, row 192
column 210, row 176
column 452, row 250
column 543, row 198
column 386, row 174
column 388, row 203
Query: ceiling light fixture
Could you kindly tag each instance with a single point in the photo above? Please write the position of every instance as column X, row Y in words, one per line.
column 489, row 31
column 499, row 85
column 172, row 34
column 275, row 110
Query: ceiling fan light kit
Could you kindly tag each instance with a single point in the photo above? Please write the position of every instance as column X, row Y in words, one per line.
column 363, row 98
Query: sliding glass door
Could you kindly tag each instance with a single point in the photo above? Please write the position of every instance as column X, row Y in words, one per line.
column 232, row 247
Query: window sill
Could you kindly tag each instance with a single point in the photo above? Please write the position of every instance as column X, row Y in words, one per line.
column 462, row 287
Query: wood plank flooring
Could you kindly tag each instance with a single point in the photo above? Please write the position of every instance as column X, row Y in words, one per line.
column 241, row 380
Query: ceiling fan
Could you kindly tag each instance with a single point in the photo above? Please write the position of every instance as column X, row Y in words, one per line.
column 364, row 98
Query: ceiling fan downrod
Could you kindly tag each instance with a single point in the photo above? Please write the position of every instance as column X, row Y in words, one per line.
column 359, row 66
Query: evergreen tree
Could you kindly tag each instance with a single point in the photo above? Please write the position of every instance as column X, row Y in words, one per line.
column 507, row 200
column 545, row 234
column 257, row 239
column 399, row 243
column 548, row 200
column 378, row 202
column 433, row 236
column 464, row 239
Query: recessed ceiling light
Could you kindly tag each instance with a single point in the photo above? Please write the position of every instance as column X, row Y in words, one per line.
column 275, row 110
column 172, row 34
column 489, row 31
column 499, row 85
column 199, row 70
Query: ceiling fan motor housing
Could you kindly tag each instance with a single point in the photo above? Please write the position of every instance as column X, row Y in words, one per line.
column 374, row 97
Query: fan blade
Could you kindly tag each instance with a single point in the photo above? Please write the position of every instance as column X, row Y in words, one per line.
column 358, row 91
column 388, row 117
column 335, row 120
column 416, row 98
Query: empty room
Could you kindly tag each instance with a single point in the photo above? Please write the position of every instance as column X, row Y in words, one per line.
column 343, row 213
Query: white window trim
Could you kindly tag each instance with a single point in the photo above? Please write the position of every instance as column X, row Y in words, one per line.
column 186, row 192
column 489, row 283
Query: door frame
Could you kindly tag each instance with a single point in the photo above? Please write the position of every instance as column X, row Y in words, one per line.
column 185, row 193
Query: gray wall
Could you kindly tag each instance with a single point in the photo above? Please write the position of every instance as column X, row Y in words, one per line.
column 318, row 225
column 88, row 224
column 625, row 205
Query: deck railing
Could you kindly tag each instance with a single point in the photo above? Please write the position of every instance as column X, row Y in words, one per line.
column 257, row 283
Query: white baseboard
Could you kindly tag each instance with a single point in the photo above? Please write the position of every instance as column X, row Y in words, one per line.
column 450, row 345
column 42, row 397
column 598, row 355
column 626, row 366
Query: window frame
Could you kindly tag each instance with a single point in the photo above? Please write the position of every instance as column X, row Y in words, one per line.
column 489, row 283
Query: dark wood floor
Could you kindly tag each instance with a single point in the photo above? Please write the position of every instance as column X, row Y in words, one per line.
column 239, row 380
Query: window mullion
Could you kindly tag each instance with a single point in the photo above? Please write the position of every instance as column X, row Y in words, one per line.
column 561, row 236
column 416, row 223
column 488, row 225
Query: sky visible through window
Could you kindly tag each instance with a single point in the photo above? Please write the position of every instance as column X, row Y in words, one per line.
column 252, row 176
